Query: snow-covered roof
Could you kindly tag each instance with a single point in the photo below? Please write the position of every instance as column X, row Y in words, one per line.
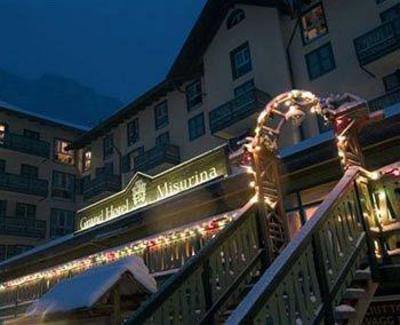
column 44, row 118
column 86, row 289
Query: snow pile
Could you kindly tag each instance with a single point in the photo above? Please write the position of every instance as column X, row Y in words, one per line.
column 85, row 289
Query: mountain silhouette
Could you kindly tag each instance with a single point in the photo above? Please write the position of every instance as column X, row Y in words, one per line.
column 58, row 97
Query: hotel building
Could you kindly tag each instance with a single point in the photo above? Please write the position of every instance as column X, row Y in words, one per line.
column 166, row 165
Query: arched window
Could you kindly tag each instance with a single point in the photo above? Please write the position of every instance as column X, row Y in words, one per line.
column 235, row 18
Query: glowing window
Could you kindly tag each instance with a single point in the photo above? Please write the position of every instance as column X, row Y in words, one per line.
column 87, row 160
column 313, row 24
column 61, row 153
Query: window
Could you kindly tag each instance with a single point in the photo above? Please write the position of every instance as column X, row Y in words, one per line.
column 133, row 131
column 244, row 88
column 63, row 185
column 161, row 115
column 392, row 81
column 235, row 18
column 31, row 134
column 2, row 166
column 108, row 146
column 107, row 169
column 29, row 171
column 313, row 24
column 163, row 139
column 24, row 210
column 61, row 222
column 86, row 160
column 61, row 153
column 3, row 208
column 132, row 156
column 196, row 127
column 241, row 61
column 391, row 13
column 320, row 61
column 194, row 96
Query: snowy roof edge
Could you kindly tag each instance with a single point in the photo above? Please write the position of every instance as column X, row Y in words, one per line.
column 14, row 109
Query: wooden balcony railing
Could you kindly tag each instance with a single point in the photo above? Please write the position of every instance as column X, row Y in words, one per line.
column 25, row 227
column 102, row 183
column 22, row 184
column 378, row 42
column 160, row 154
column 237, row 109
column 21, row 143
column 382, row 102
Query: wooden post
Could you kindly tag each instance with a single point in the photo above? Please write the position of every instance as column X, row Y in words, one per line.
column 117, row 305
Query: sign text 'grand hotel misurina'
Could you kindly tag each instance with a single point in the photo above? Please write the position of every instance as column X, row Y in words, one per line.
column 143, row 190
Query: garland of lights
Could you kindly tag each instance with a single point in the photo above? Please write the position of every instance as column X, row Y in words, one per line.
column 209, row 227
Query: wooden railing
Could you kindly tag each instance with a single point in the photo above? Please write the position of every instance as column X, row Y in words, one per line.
column 308, row 280
column 213, row 279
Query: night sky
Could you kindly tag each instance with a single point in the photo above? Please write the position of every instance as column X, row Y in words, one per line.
column 118, row 47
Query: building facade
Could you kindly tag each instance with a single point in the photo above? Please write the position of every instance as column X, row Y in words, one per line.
column 239, row 55
column 38, row 180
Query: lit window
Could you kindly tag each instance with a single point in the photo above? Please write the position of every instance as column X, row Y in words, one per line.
column 63, row 185
column 161, row 115
column 87, row 160
column 235, row 18
column 108, row 146
column 313, row 24
column 133, row 131
column 196, row 127
column 320, row 61
column 241, row 61
column 61, row 222
column 194, row 95
column 3, row 130
column 61, row 153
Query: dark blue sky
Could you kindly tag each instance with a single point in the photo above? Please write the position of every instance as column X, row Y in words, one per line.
column 118, row 47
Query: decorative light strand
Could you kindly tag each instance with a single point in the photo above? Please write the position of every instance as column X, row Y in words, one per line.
column 210, row 227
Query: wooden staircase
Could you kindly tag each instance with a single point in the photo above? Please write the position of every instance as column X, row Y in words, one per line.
column 327, row 274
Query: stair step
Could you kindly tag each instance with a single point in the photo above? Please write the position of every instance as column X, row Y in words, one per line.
column 344, row 312
column 363, row 275
column 354, row 293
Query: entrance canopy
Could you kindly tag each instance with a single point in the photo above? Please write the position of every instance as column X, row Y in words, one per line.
column 87, row 289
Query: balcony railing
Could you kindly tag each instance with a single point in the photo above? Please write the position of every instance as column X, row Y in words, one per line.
column 389, row 99
column 18, row 142
column 237, row 109
column 160, row 154
column 22, row 184
column 378, row 42
column 102, row 183
column 26, row 227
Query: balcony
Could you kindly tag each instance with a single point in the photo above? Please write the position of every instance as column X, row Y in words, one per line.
column 18, row 142
column 379, row 49
column 104, row 183
column 157, row 159
column 25, row 227
column 238, row 115
column 382, row 102
column 22, row 184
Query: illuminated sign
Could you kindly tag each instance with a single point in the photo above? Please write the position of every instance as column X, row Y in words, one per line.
column 143, row 189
